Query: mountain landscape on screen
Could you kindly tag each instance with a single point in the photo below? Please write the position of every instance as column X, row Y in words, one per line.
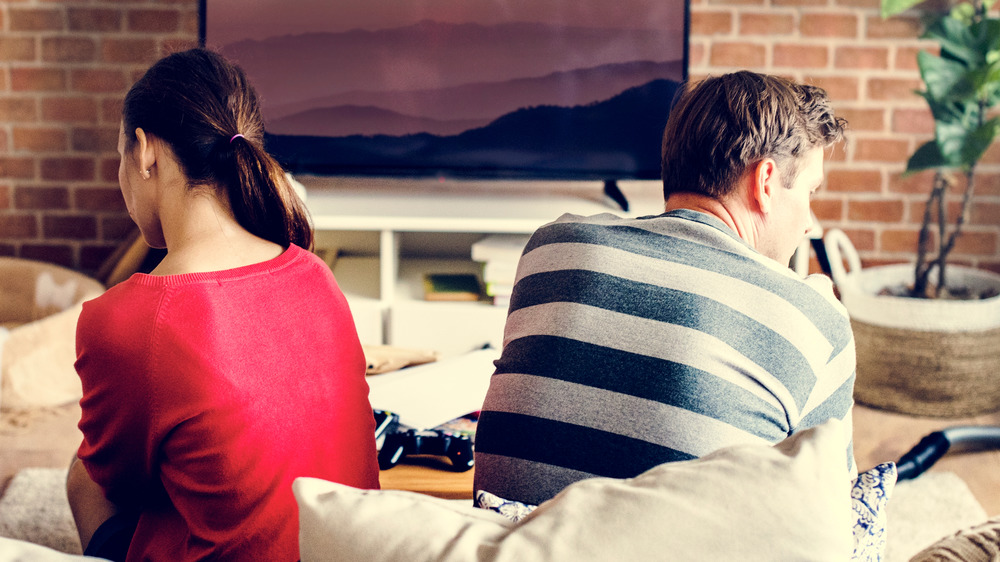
column 521, row 99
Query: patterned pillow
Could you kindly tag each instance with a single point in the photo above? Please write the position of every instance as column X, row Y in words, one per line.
column 869, row 496
column 512, row 510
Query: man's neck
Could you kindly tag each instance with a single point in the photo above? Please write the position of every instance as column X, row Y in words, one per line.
column 732, row 213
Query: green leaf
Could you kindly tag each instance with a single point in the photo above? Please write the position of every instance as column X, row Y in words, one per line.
column 927, row 157
column 957, row 39
column 945, row 79
column 893, row 7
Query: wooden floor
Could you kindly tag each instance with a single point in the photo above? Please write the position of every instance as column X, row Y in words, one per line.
column 50, row 438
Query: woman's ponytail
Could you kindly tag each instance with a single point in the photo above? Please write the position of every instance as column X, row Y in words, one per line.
column 205, row 108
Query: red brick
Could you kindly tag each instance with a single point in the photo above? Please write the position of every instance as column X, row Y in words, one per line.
column 19, row 49
column 881, row 150
column 894, row 89
column 39, row 139
column 175, row 45
column 916, row 211
column 711, row 23
column 896, row 27
column 838, row 88
column 69, row 109
column 18, row 226
column 72, row 227
column 875, row 211
column 98, row 199
column 91, row 139
column 869, row 4
column 109, row 169
column 36, row 19
column 34, row 79
column 854, row 181
column 825, row 24
column 129, row 50
column 801, row 56
column 98, row 80
column 740, row 55
column 919, row 121
column 906, row 58
column 828, row 210
column 766, row 24
column 59, row 254
column 111, row 109
column 17, row 167
column 899, row 240
column 190, row 21
column 697, row 54
column 116, row 227
column 18, row 110
column 988, row 184
column 94, row 19
column 862, row 239
column 861, row 57
column 913, row 183
column 862, row 119
column 36, row 198
column 68, row 169
column 68, row 49
column 797, row 3
column 156, row 21
column 976, row 243
column 5, row 202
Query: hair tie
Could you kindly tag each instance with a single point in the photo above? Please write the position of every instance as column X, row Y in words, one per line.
column 231, row 139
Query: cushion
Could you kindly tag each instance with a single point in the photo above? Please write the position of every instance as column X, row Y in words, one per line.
column 748, row 502
column 870, row 495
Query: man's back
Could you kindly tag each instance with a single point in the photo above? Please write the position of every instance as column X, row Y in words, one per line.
column 633, row 342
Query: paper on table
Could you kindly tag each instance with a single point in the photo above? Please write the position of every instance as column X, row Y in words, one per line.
column 426, row 396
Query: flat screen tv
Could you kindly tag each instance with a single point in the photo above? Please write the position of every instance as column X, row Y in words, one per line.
column 463, row 89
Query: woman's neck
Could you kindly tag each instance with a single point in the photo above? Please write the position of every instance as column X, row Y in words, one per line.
column 202, row 235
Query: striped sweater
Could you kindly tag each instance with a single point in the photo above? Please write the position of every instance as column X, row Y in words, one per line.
column 634, row 342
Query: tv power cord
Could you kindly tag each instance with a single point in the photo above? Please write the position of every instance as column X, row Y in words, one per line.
column 935, row 445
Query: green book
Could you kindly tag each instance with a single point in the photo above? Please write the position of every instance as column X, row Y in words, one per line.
column 452, row 287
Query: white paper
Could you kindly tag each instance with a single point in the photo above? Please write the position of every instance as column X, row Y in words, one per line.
column 429, row 395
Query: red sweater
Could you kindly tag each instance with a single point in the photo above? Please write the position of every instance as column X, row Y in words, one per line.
column 206, row 394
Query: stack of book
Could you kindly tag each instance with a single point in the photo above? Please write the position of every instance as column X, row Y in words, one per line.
column 499, row 254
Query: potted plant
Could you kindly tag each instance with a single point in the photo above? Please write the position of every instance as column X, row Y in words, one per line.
column 928, row 334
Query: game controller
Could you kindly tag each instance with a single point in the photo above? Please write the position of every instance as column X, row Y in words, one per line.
column 457, row 447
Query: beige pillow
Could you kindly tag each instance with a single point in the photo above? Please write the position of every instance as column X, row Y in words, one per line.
column 787, row 502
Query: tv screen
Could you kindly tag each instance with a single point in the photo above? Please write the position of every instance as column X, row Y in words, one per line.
column 521, row 89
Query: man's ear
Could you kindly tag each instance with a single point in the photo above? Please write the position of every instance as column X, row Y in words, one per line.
column 763, row 183
column 147, row 152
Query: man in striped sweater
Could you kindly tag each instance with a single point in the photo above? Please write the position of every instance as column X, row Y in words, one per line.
column 634, row 342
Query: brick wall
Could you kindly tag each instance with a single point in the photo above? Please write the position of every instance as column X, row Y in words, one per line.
column 65, row 65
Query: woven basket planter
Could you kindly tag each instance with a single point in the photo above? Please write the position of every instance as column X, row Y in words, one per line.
column 927, row 357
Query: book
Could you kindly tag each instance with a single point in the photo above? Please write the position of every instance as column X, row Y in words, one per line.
column 452, row 287
column 500, row 247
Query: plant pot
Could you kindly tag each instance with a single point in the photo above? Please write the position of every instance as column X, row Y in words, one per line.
column 930, row 357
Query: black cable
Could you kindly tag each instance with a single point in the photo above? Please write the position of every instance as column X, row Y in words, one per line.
column 935, row 445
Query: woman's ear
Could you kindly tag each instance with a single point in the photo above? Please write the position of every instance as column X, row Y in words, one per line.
column 146, row 153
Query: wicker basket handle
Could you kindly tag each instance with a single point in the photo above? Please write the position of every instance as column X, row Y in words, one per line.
column 840, row 249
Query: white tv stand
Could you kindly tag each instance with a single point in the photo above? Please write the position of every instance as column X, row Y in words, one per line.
column 389, row 233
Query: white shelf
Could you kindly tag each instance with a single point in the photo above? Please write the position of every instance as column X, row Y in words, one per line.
column 370, row 219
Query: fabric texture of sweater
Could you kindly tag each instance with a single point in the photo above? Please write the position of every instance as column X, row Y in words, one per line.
column 206, row 394
column 634, row 342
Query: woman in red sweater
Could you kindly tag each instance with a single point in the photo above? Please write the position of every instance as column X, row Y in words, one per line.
column 234, row 366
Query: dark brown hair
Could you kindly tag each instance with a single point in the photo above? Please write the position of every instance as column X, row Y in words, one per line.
column 197, row 102
column 722, row 125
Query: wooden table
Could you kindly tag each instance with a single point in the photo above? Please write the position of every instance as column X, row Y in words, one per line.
column 428, row 475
